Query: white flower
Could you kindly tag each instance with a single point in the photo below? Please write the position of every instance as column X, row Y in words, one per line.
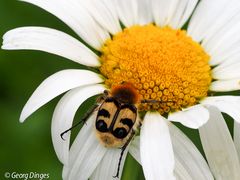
column 214, row 49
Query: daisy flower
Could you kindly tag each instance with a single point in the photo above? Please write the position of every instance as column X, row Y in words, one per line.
column 177, row 73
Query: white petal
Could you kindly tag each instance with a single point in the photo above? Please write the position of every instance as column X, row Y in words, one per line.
column 76, row 17
column 57, row 84
column 188, row 157
column 127, row 11
column 189, row 163
column 227, row 70
column 229, row 62
column 64, row 172
column 144, row 12
column 51, row 41
column 229, row 18
column 222, row 38
column 227, row 55
column 156, row 148
column 109, row 164
column 64, row 114
column 173, row 12
column 134, row 149
column 223, row 43
column 85, row 153
column 193, row 117
column 163, row 11
column 104, row 12
column 226, row 104
column 216, row 21
column 182, row 13
column 180, row 171
column 219, row 147
column 225, row 85
column 205, row 17
column 236, row 137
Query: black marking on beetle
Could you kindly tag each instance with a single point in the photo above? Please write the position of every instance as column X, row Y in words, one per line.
column 130, row 107
column 112, row 100
column 104, row 113
column 120, row 136
column 114, row 120
column 128, row 122
column 101, row 126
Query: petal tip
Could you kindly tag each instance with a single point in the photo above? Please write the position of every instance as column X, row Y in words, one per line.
column 23, row 115
column 22, row 119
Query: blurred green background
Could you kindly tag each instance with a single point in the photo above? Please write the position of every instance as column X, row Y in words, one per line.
column 27, row 147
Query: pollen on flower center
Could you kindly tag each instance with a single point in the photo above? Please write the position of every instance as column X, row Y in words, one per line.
column 162, row 63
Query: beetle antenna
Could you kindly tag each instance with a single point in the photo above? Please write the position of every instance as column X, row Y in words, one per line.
column 119, row 162
column 80, row 122
column 83, row 120
column 122, row 152
column 153, row 101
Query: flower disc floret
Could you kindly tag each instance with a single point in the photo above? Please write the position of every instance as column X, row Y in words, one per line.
column 162, row 63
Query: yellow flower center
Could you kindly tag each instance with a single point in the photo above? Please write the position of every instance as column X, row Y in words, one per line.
column 162, row 64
